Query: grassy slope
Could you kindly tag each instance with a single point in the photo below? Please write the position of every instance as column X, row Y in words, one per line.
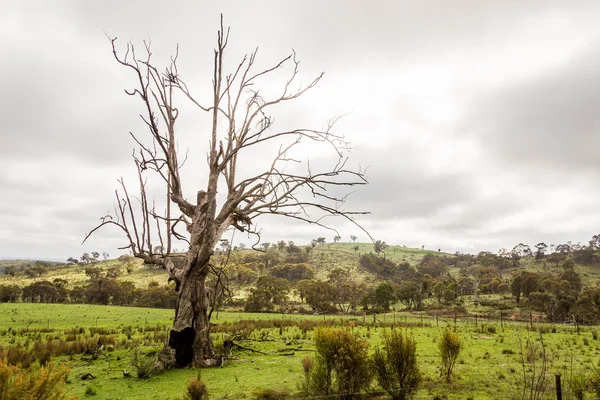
column 322, row 258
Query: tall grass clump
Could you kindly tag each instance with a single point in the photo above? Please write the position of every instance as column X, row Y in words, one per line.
column 341, row 364
column 449, row 346
column 396, row 366
column 43, row 383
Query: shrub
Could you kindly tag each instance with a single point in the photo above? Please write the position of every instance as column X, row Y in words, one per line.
column 271, row 394
column 449, row 346
column 196, row 390
column 341, row 364
column 142, row 364
column 43, row 383
column 396, row 366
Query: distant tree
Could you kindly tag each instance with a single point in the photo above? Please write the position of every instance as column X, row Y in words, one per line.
column 422, row 247
column 281, row 245
column 72, row 260
column 95, row 256
column 384, row 296
column 93, row 272
column 10, row 270
column 113, row 272
column 530, row 285
column 432, row 265
column 321, row 241
column 595, row 242
column 105, row 256
column 438, row 290
column 346, row 292
column 336, row 239
column 38, row 270
column 564, row 248
column 224, row 244
column 411, row 294
column 541, row 251
column 353, row 238
column 9, row 293
column 573, row 278
column 269, row 291
column 523, row 250
column 242, row 246
column 293, row 272
column 379, row 247
column 265, row 246
column 556, row 258
column 355, row 248
column 85, row 258
column 318, row 295
column 516, row 287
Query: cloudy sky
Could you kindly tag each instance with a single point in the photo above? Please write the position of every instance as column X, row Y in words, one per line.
column 479, row 121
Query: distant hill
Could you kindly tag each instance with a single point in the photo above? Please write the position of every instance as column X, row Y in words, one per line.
column 323, row 258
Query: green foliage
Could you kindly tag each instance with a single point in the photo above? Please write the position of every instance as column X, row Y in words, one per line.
column 269, row 292
column 341, row 364
column 378, row 265
column 396, row 366
column 318, row 295
column 293, row 272
column 142, row 364
column 384, row 296
column 449, row 347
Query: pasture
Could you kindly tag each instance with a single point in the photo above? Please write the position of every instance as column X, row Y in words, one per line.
column 493, row 363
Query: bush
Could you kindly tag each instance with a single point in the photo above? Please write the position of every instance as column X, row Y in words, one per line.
column 396, row 366
column 271, row 394
column 142, row 364
column 341, row 364
column 43, row 383
column 196, row 390
column 449, row 346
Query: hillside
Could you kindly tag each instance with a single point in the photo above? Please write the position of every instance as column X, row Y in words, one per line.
column 322, row 258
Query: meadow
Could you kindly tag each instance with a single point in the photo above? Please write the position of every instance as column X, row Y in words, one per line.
column 494, row 361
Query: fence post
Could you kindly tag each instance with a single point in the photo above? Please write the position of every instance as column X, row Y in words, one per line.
column 475, row 320
column 531, row 321
column 501, row 321
column 454, row 320
column 421, row 320
column 558, row 388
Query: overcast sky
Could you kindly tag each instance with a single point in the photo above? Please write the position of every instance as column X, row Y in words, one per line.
column 479, row 120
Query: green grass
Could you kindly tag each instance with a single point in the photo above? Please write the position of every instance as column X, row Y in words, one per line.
column 489, row 366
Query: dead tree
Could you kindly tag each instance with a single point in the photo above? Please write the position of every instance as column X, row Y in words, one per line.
column 241, row 120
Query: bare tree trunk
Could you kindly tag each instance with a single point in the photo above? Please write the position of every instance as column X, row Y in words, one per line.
column 190, row 335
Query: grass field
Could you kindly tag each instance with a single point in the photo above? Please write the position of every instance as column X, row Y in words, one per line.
column 490, row 365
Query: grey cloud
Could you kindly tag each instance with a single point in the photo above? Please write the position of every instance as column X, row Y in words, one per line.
column 549, row 123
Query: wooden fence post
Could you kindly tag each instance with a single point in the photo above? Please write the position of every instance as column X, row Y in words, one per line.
column 558, row 388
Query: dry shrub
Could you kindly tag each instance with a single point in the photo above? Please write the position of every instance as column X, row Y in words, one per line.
column 43, row 383
column 271, row 394
column 196, row 390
